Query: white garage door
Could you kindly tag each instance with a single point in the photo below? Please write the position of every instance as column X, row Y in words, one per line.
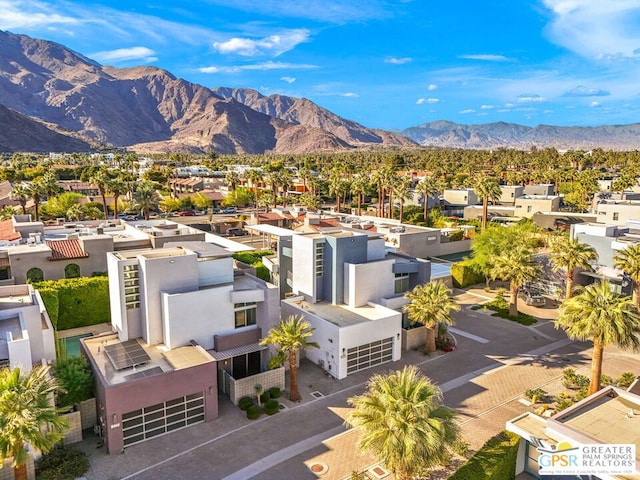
column 369, row 355
column 145, row 423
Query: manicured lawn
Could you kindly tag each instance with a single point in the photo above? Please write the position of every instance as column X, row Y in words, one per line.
column 500, row 307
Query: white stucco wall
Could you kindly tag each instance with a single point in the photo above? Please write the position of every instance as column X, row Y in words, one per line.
column 197, row 315
column 215, row 272
column 20, row 353
column 368, row 282
column 116, row 294
column 375, row 249
column 304, row 279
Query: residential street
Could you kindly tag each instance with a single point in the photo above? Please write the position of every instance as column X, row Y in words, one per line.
column 484, row 379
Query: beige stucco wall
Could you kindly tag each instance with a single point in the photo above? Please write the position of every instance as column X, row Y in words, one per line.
column 246, row 387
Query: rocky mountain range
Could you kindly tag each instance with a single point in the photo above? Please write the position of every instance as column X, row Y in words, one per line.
column 495, row 135
column 149, row 109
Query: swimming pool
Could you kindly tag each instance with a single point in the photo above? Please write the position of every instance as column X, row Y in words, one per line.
column 72, row 344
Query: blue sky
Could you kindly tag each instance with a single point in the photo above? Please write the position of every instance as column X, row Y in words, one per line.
column 387, row 64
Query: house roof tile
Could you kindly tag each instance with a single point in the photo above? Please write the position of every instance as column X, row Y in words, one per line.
column 65, row 249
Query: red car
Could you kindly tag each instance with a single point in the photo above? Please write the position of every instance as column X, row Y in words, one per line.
column 186, row 214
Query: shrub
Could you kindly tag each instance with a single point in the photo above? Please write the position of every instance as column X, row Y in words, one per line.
column 626, row 379
column 265, row 396
column 80, row 301
column 277, row 360
column 500, row 307
column 245, row 403
column 573, row 380
column 76, row 379
column 496, row 460
column 463, row 274
column 537, row 393
column 254, row 258
column 271, row 407
column 274, row 392
column 253, row 412
column 62, row 464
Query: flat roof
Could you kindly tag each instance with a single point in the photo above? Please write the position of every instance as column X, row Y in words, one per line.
column 202, row 249
column 611, row 417
column 271, row 230
column 15, row 301
column 343, row 315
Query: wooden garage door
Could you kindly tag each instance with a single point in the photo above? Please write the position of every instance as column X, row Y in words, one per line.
column 149, row 422
column 369, row 355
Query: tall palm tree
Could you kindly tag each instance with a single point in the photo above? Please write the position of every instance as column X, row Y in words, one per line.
column 431, row 305
column 27, row 415
column 100, row 179
column 487, row 189
column 36, row 190
column 290, row 335
column 428, row 187
column 628, row 260
column 403, row 422
column 402, row 191
column 117, row 187
column 7, row 212
column 50, row 183
column 359, row 188
column 337, row 185
column 568, row 254
column 146, row 198
column 605, row 318
column 517, row 267
column 20, row 192
column 232, row 178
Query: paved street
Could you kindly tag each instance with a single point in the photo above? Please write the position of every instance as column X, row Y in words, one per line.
column 496, row 360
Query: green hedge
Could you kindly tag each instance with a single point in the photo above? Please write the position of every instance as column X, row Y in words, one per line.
column 463, row 275
column 254, row 258
column 76, row 302
column 496, row 460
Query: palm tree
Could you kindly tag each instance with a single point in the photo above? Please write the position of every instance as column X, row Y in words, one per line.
column 337, row 185
column 20, row 192
column 403, row 422
column 487, row 189
column 428, row 187
column 605, row 318
column 75, row 212
column 232, row 178
column 7, row 212
column 568, row 254
column 402, row 191
column 359, row 188
column 118, row 187
column 431, row 304
column 146, row 198
column 628, row 260
column 289, row 336
column 27, row 415
column 517, row 267
column 100, row 179
column 50, row 183
column 36, row 190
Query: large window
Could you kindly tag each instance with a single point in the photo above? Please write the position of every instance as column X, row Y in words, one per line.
column 35, row 275
column 246, row 365
column 319, row 259
column 72, row 271
column 246, row 314
column 131, row 286
column 401, row 283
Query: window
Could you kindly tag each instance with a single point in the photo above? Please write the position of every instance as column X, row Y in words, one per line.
column 72, row 271
column 528, row 208
column 616, row 215
column 245, row 365
column 319, row 259
column 245, row 314
column 131, row 285
column 401, row 283
column 35, row 275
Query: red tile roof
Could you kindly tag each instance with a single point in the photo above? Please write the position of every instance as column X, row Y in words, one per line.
column 65, row 249
column 7, row 233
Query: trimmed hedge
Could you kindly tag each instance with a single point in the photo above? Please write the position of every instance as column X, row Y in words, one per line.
column 76, row 302
column 254, row 258
column 253, row 412
column 274, row 392
column 271, row 407
column 64, row 463
column 463, row 275
column 496, row 460
column 245, row 403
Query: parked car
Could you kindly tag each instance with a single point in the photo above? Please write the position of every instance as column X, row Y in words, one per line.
column 236, row 232
column 533, row 298
column 229, row 210
column 188, row 213
column 216, row 210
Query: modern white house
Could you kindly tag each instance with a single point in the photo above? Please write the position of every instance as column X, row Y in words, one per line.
column 339, row 281
column 26, row 333
column 187, row 327
column 609, row 416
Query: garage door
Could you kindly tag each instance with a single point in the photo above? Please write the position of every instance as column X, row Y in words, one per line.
column 369, row 355
column 149, row 422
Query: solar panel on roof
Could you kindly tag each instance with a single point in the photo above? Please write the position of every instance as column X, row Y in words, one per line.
column 126, row 354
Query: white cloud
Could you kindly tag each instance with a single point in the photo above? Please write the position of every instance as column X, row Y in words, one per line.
column 601, row 30
column 257, row 66
column 582, row 91
column 142, row 54
column 16, row 15
column 467, row 111
column 530, row 98
column 432, row 87
column 288, row 79
column 487, row 107
column 486, row 57
column 272, row 45
column 594, row 104
column 429, row 100
column 350, row 95
column 397, row 61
